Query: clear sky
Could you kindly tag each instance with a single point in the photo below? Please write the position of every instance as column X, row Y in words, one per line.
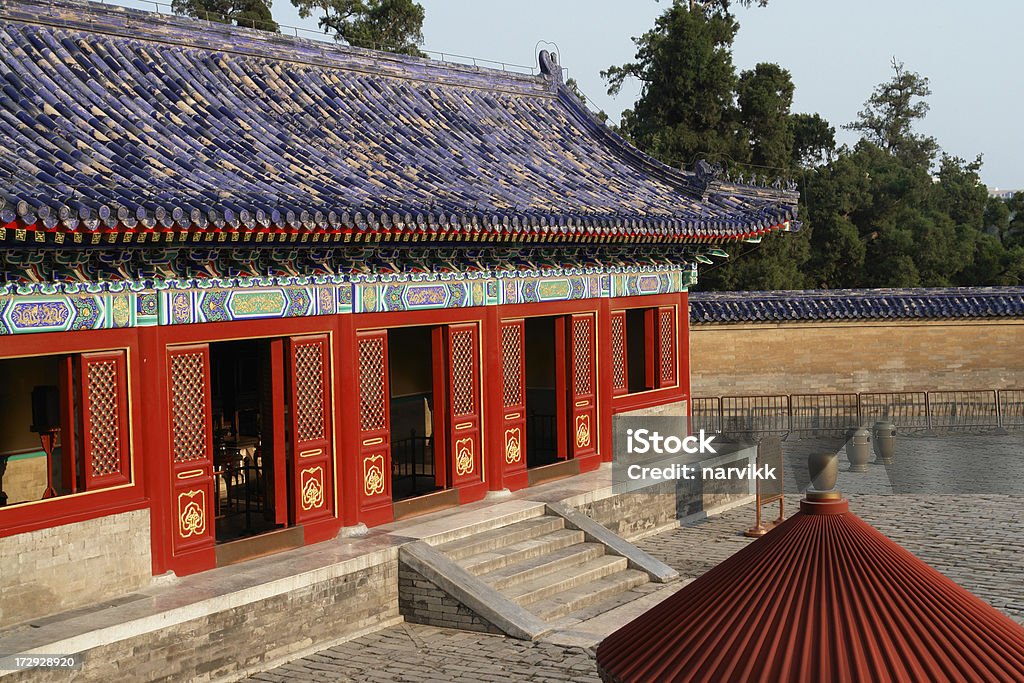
column 836, row 50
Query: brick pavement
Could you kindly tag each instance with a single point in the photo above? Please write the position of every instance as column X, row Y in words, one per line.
column 976, row 539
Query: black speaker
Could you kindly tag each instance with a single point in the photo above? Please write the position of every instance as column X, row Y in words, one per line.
column 45, row 409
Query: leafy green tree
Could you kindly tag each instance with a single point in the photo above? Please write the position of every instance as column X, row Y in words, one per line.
column 250, row 13
column 814, row 140
column 996, row 217
column 765, row 95
column 1015, row 231
column 390, row 25
column 686, row 110
column 881, row 213
column 890, row 113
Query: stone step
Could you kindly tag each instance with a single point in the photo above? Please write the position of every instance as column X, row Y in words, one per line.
column 501, row 537
column 549, row 563
column 571, row 577
column 492, row 560
column 580, row 596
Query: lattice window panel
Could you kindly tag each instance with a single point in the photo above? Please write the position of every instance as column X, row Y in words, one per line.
column 309, row 391
column 667, row 350
column 582, row 335
column 188, row 406
column 463, row 363
column 372, row 414
column 104, row 418
column 511, row 357
column 619, row 352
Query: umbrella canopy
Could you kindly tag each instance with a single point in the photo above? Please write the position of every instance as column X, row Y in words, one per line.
column 823, row 597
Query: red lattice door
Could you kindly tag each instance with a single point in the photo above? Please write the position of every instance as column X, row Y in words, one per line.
column 666, row 347
column 374, row 418
column 105, row 436
column 191, row 446
column 463, row 349
column 309, row 390
column 513, row 394
column 582, row 385
column 619, row 369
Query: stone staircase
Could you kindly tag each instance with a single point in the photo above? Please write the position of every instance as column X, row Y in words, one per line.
column 525, row 576
column 546, row 568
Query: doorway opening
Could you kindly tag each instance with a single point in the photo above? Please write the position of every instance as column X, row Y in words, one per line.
column 544, row 416
column 243, row 412
column 415, row 470
column 639, row 342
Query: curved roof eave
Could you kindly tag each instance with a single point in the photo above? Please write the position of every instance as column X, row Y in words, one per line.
column 123, row 120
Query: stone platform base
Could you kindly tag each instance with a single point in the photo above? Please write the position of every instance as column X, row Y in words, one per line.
column 231, row 622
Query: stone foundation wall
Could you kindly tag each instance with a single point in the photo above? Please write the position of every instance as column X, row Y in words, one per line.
column 637, row 514
column 64, row 567
column 422, row 602
column 665, row 410
column 233, row 643
column 795, row 358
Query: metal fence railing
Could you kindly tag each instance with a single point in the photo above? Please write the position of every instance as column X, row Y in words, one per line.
column 1011, row 408
column 908, row 409
column 829, row 414
column 755, row 414
column 963, row 410
column 833, row 414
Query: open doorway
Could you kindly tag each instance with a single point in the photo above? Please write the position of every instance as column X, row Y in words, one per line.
column 415, row 470
column 543, row 414
column 242, row 408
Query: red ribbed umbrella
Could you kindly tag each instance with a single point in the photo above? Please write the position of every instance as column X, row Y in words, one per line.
column 823, row 597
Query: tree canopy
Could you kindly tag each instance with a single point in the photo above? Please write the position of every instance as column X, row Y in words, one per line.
column 249, row 13
column 390, row 25
column 889, row 211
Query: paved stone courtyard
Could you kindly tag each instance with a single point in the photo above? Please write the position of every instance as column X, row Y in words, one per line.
column 976, row 539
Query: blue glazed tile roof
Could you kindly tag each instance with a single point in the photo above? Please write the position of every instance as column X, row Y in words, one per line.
column 120, row 119
column 856, row 304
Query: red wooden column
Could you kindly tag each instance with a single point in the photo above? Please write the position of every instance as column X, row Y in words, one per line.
column 683, row 346
column 611, row 354
column 153, row 440
column 490, row 339
column 512, row 403
column 374, row 453
column 346, row 415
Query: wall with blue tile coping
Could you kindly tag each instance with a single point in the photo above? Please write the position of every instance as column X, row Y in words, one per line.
column 72, row 306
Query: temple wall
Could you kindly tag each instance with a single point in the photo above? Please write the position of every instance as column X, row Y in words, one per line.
column 866, row 356
column 68, row 566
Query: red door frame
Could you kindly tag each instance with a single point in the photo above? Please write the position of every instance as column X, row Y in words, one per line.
column 155, row 341
column 680, row 391
column 442, row 317
column 560, row 310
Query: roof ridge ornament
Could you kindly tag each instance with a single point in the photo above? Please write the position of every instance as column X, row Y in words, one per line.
column 706, row 173
column 549, row 65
